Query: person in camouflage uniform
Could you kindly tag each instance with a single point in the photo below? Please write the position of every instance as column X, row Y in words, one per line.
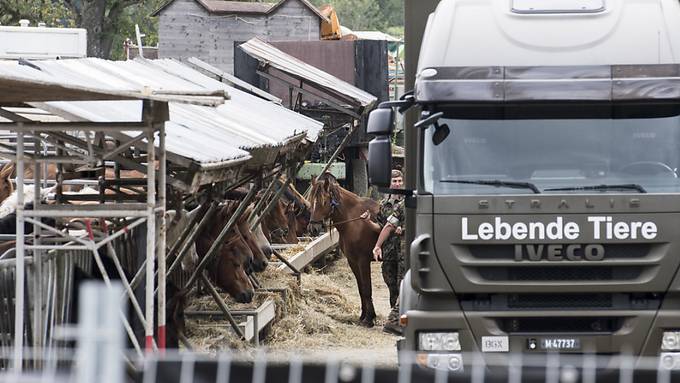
column 390, row 248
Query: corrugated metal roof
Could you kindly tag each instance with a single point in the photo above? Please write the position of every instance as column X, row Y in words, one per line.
column 235, row 7
column 219, row 6
column 251, row 112
column 192, row 141
column 284, row 62
column 367, row 35
column 97, row 79
column 208, row 135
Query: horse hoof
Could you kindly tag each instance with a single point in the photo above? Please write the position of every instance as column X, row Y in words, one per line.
column 366, row 323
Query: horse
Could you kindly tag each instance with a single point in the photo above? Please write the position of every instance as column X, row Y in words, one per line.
column 233, row 261
column 301, row 211
column 6, row 185
column 357, row 236
column 261, row 251
column 276, row 224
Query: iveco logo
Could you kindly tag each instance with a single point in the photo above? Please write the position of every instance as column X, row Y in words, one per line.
column 558, row 253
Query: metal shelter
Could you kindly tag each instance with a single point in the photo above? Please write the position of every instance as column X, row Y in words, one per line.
column 313, row 92
column 81, row 115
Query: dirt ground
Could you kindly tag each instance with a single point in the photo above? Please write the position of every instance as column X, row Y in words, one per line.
column 321, row 319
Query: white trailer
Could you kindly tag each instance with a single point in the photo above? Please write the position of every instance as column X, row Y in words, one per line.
column 34, row 43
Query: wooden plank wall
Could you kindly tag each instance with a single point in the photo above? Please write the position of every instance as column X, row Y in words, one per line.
column 186, row 29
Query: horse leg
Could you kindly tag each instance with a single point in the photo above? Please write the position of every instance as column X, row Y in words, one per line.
column 357, row 275
column 366, row 291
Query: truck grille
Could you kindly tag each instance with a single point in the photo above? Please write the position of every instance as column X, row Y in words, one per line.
column 572, row 301
column 560, row 273
column 544, row 301
column 560, row 324
column 613, row 251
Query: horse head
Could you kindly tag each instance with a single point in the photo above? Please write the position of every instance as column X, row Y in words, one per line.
column 263, row 242
column 324, row 200
column 301, row 211
column 6, row 185
column 234, row 258
column 259, row 256
column 230, row 270
column 276, row 223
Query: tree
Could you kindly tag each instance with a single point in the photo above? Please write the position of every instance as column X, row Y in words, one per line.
column 108, row 22
column 368, row 14
column 138, row 14
column 52, row 13
column 101, row 19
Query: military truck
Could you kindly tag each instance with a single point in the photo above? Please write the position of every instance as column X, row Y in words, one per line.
column 544, row 176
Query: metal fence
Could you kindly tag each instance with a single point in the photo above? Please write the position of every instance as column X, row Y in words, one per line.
column 55, row 286
column 230, row 368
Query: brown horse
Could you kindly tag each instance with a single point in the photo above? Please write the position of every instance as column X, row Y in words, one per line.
column 233, row 261
column 357, row 236
column 261, row 252
column 276, row 224
column 301, row 211
column 6, row 185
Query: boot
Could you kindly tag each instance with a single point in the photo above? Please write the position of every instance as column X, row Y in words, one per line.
column 392, row 324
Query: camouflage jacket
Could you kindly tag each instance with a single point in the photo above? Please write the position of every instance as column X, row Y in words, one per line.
column 392, row 211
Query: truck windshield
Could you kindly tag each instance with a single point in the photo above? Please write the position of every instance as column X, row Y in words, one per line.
column 573, row 155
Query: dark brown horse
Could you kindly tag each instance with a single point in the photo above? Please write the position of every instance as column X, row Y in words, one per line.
column 357, row 236
column 6, row 185
column 233, row 261
column 276, row 224
column 301, row 211
column 261, row 251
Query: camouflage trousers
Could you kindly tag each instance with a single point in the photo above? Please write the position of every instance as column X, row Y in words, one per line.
column 393, row 267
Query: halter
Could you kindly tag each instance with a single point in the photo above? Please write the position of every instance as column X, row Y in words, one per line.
column 282, row 232
column 334, row 204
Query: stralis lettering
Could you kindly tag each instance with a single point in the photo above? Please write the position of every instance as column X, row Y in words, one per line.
column 603, row 227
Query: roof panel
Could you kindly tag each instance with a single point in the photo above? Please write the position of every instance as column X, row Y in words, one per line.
column 205, row 134
column 96, row 79
column 282, row 61
column 193, row 141
column 253, row 112
column 220, row 6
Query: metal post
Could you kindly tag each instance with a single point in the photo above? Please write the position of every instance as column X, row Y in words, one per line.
column 262, row 201
column 101, row 341
column 19, row 289
column 37, row 256
column 223, row 307
column 220, row 238
column 335, row 155
column 188, row 242
column 161, row 239
column 150, row 236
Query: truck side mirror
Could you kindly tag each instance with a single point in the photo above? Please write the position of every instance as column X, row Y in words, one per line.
column 380, row 161
column 380, row 122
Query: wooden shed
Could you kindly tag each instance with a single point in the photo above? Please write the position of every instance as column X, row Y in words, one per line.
column 207, row 29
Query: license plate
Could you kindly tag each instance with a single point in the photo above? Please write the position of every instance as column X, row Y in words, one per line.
column 495, row 344
column 560, row 344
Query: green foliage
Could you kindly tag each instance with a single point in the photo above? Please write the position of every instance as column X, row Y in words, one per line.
column 54, row 13
column 137, row 14
column 385, row 15
column 368, row 14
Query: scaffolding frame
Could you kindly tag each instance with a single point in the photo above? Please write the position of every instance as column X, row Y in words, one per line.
column 91, row 136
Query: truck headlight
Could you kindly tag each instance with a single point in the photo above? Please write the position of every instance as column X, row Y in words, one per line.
column 669, row 360
column 671, row 341
column 450, row 362
column 438, row 341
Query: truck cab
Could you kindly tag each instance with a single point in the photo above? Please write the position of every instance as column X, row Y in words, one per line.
column 547, row 198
